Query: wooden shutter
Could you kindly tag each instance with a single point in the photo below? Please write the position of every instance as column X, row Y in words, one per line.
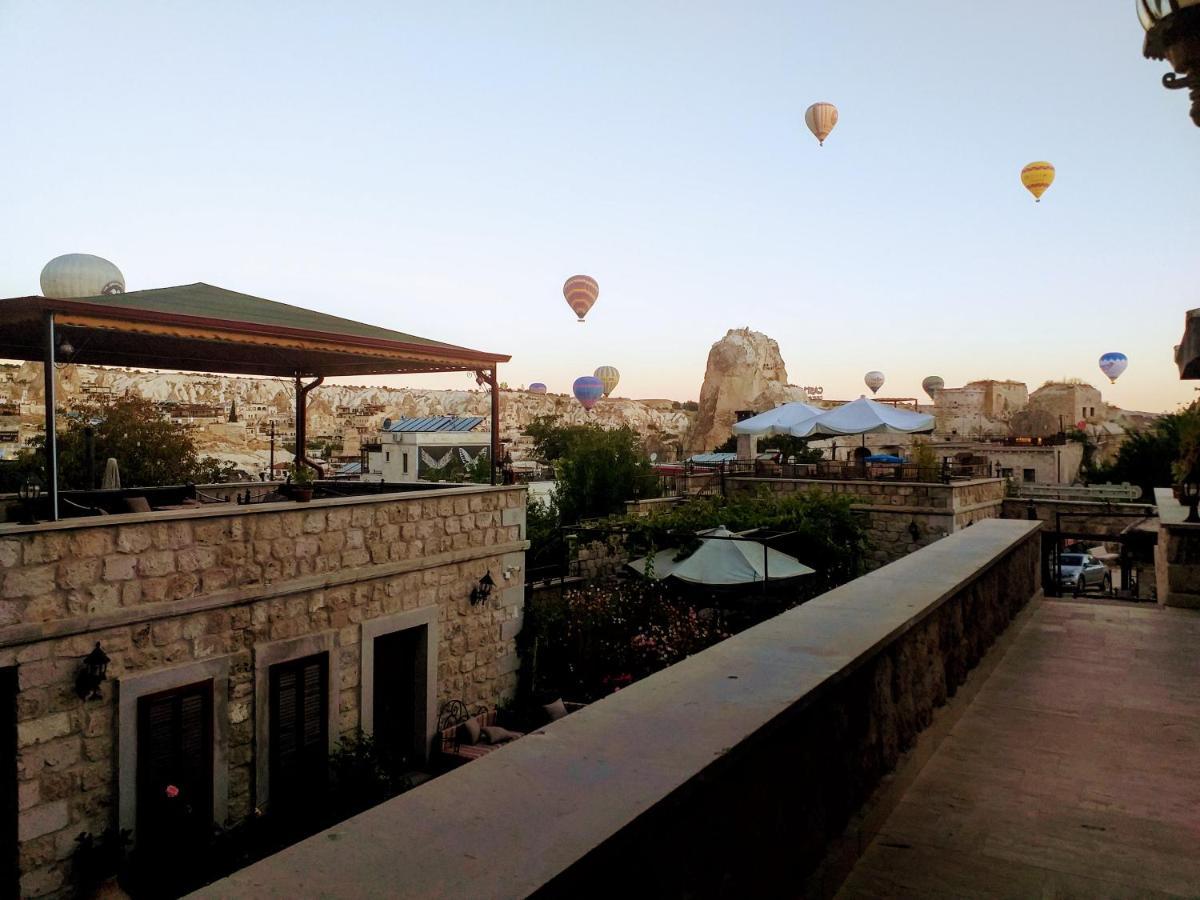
column 299, row 724
column 174, row 750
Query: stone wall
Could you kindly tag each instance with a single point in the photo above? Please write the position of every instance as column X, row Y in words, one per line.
column 1079, row 515
column 166, row 590
column 900, row 516
column 1177, row 554
column 727, row 774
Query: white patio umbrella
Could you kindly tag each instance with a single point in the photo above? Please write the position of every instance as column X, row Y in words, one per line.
column 864, row 416
column 779, row 420
column 720, row 561
column 111, row 481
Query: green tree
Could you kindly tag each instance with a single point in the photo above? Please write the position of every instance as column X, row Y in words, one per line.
column 601, row 469
column 1146, row 457
column 150, row 449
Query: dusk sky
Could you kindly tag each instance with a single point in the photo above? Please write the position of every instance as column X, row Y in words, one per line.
column 441, row 168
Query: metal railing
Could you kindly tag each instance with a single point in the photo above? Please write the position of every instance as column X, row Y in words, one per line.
column 851, row 470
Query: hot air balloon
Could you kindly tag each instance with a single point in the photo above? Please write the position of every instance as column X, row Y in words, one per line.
column 931, row 384
column 537, row 388
column 874, row 380
column 1113, row 364
column 587, row 390
column 581, row 292
column 80, row 275
column 1037, row 177
column 820, row 119
column 608, row 377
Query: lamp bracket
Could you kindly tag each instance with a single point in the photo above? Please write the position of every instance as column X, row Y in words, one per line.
column 1175, row 82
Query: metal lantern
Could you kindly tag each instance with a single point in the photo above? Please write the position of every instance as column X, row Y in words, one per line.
column 92, row 674
column 483, row 590
column 1173, row 33
column 28, row 492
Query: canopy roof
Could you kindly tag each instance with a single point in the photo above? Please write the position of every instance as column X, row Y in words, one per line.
column 779, row 420
column 722, row 561
column 864, row 416
column 428, row 424
column 203, row 328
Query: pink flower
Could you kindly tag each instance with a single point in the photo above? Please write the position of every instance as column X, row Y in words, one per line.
column 172, row 791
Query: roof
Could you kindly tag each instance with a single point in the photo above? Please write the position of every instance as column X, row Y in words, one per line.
column 710, row 458
column 203, row 328
column 433, row 423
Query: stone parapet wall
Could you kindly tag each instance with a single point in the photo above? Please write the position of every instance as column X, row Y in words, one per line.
column 900, row 516
column 165, row 590
column 1079, row 515
column 749, row 757
column 1177, row 554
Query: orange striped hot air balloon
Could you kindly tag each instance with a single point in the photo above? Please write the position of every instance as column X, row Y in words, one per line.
column 581, row 292
column 820, row 119
column 1037, row 177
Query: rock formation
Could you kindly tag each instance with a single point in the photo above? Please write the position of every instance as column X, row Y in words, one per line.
column 745, row 371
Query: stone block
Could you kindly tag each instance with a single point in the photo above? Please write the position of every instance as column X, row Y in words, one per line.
column 29, row 581
column 47, row 728
column 44, row 819
column 10, row 553
column 134, row 538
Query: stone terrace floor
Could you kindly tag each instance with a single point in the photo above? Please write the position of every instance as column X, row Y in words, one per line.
column 1074, row 771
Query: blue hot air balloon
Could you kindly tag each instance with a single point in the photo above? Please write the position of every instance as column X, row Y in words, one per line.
column 587, row 389
column 1113, row 364
column 537, row 388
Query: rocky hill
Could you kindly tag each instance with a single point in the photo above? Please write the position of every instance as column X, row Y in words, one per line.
column 334, row 409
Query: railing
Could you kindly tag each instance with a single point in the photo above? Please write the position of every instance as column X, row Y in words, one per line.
column 849, row 470
column 1099, row 493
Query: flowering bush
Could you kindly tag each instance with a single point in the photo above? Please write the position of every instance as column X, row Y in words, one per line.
column 612, row 634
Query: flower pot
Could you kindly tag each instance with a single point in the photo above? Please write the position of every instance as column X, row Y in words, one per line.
column 302, row 494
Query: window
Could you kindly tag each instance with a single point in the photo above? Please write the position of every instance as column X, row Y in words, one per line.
column 299, row 729
column 1029, row 475
column 405, row 461
column 387, row 455
column 175, row 764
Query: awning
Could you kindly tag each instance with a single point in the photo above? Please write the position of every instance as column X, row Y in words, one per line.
column 203, row 328
column 780, row 420
column 864, row 416
column 723, row 560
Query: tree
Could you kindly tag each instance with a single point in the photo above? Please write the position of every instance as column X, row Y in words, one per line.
column 598, row 468
column 1146, row 457
column 786, row 444
column 150, row 449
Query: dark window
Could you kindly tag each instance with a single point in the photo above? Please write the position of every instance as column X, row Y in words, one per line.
column 396, row 728
column 174, row 764
column 299, row 724
column 405, row 459
column 1030, row 475
column 8, row 783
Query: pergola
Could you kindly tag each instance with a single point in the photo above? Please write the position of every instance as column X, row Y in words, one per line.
column 203, row 328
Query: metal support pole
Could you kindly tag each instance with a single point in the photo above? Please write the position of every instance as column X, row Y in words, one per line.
column 51, row 434
column 301, row 422
column 495, row 422
column 271, row 464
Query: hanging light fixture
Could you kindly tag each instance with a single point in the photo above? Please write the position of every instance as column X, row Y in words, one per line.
column 92, row 674
column 1173, row 33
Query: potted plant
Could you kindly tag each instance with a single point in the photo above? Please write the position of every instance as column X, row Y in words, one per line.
column 98, row 861
column 302, row 482
column 1186, row 468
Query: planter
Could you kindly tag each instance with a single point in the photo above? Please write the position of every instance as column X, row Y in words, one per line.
column 302, row 494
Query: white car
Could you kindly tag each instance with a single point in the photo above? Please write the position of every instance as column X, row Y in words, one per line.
column 1080, row 571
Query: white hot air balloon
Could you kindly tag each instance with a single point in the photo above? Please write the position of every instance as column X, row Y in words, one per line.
column 820, row 119
column 80, row 275
column 932, row 385
column 873, row 380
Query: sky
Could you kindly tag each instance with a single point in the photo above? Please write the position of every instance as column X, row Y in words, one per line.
column 442, row 168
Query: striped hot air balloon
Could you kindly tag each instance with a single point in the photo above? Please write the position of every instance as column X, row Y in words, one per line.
column 587, row 390
column 873, row 380
column 581, row 292
column 1037, row 177
column 608, row 377
column 537, row 388
column 820, row 119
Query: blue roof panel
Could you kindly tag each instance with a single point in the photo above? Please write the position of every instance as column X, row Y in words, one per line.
column 428, row 424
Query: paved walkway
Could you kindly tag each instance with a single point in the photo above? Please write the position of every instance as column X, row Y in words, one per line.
column 1073, row 772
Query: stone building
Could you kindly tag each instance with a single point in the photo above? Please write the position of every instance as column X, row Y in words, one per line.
column 211, row 617
column 1069, row 403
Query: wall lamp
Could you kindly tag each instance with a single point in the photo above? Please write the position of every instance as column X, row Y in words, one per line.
column 481, row 591
column 914, row 529
column 92, row 674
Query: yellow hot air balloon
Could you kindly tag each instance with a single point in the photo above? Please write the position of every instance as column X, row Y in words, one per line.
column 608, row 377
column 820, row 119
column 581, row 292
column 1037, row 177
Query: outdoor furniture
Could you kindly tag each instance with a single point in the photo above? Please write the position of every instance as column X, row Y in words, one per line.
column 121, row 501
column 454, row 727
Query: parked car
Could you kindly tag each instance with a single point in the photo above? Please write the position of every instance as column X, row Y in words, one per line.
column 1080, row 571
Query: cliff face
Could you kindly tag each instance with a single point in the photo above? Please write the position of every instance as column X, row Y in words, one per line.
column 334, row 409
column 745, row 371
